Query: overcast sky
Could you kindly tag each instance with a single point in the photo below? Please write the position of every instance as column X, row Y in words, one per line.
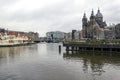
column 51, row 15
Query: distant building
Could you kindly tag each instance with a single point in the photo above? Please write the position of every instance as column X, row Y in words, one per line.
column 73, row 34
column 2, row 30
column 43, row 39
column 117, row 31
column 109, row 32
column 55, row 36
column 93, row 29
column 77, row 35
column 68, row 37
column 33, row 36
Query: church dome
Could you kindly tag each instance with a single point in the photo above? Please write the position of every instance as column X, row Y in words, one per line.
column 99, row 14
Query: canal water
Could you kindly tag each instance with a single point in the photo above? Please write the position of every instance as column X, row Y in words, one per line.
column 44, row 61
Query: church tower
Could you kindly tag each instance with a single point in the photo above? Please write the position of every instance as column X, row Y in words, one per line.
column 84, row 25
column 84, row 20
column 92, row 17
column 91, row 25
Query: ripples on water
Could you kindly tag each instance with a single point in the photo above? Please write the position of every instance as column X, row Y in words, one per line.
column 44, row 62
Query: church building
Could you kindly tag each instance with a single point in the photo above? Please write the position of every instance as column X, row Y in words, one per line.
column 93, row 28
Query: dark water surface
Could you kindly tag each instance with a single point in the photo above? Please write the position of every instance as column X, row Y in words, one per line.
column 44, row 62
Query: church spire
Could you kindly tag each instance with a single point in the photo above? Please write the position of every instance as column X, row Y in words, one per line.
column 92, row 15
column 98, row 10
column 84, row 19
column 84, row 15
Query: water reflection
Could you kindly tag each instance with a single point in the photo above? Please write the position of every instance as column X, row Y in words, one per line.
column 44, row 62
column 94, row 61
column 54, row 47
column 11, row 53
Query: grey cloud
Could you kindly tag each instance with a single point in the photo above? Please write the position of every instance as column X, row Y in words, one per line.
column 63, row 16
column 50, row 13
column 7, row 2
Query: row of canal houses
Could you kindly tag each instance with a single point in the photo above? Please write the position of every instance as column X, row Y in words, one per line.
column 8, row 37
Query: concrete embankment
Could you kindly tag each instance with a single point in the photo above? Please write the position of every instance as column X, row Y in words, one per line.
column 19, row 44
